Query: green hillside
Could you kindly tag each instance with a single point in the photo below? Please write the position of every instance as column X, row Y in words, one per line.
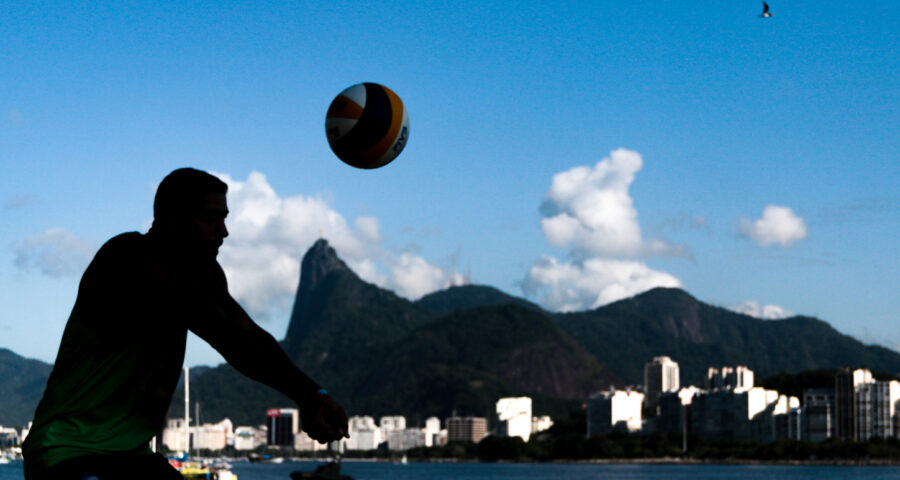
column 22, row 383
column 626, row 334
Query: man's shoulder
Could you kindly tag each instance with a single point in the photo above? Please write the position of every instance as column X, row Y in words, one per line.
column 128, row 237
column 124, row 245
column 124, row 241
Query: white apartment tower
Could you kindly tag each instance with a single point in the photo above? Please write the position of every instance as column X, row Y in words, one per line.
column 660, row 375
column 739, row 379
column 432, row 431
column 614, row 410
column 846, row 383
column 875, row 409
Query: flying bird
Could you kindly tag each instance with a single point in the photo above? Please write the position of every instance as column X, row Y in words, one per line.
column 765, row 13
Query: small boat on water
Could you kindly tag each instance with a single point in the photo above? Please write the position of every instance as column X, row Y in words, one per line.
column 257, row 458
column 326, row 471
column 194, row 470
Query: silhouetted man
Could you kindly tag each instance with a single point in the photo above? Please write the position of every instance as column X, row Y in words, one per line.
column 123, row 347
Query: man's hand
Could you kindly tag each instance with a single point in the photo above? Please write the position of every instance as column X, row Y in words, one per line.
column 323, row 419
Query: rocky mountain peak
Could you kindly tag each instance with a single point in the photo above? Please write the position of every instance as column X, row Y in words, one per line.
column 319, row 261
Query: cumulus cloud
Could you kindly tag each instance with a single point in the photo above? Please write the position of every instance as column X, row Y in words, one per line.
column 573, row 286
column 55, row 253
column 415, row 277
column 767, row 312
column 589, row 210
column 778, row 225
column 269, row 236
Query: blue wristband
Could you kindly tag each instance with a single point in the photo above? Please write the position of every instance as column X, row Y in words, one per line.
column 322, row 391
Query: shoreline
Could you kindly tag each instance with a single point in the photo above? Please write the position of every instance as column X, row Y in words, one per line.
column 739, row 461
column 645, row 461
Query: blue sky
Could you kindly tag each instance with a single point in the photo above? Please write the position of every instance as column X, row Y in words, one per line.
column 574, row 152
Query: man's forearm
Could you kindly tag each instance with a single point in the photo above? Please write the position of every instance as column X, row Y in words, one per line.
column 260, row 357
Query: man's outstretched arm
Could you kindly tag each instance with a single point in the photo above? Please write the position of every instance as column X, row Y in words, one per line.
column 256, row 354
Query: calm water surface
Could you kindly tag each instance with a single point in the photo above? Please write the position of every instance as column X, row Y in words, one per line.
column 490, row 471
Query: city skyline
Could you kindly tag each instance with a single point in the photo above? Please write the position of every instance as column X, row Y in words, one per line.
column 855, row 407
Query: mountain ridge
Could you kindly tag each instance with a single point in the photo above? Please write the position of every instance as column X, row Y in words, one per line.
column 461, row 348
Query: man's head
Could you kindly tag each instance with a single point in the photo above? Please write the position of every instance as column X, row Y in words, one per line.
column 190, row 207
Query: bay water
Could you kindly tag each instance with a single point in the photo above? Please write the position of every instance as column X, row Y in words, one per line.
column 532, row 471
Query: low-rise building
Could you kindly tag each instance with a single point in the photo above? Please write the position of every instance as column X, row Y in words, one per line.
column 249, row 438
column 401, row 440
column 304, row 443
column 9, row 437
column 214, row 436
column 466, row 429
column 541, row 423
column 514, row 417
column 364, row 433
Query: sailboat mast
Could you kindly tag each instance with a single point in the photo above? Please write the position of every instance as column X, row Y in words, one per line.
column 187, row 410
column 197, row 422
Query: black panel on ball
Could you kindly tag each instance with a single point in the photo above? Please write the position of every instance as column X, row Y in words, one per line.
column 371, row 127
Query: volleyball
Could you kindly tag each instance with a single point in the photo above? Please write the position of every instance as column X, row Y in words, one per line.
column 367, row 125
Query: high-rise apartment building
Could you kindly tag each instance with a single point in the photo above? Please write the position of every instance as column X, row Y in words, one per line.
column 875, row 409
column 661, row 375
column 674, row 410
column 432, row 431
column 818, row 414
column 737, row 414
column 846, row 383
column 738, row 378
column 614, row 410
column 282, row 424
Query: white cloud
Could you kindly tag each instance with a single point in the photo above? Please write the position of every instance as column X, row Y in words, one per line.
column 778, row 225
column 573, row 286
column 590, row 211
column 767, row 312
column 55, row 253
column 415, row 277
column 269, row 236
